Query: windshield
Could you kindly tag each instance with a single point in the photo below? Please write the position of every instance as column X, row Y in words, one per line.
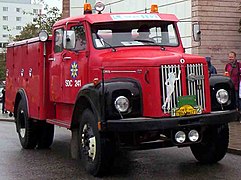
column 138, row 33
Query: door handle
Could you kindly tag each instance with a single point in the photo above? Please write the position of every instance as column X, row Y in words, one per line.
column 67, row 58
column 51, row 59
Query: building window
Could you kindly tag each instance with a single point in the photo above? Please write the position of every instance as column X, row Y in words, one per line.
column 5, row 8
column 18, row 18
column 5, row 35
column 5, row 27
column 35, row 11
column 5, row 45
column 5, row 18
column 18, row 9
column 18, row 27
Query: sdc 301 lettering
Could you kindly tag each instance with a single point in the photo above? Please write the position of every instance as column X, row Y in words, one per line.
column 117, row 80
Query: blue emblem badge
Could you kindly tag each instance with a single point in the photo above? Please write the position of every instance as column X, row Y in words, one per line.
column 74, row 70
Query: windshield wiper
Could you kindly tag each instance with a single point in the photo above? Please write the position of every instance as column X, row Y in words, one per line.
column 102, row 40
column 145, row 40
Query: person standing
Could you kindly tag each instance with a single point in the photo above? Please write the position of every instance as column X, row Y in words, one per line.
column 232, row 69
column 3, row 101
column 211, row 68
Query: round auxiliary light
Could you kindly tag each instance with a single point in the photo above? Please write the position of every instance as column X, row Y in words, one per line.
column 180, row 136
column 222, row 96
column 193, row 135
column 43, row 36
column 122, row 104
column 99, row 6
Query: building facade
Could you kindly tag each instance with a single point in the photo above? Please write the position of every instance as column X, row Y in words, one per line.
column 219, row 20
column 14, row 14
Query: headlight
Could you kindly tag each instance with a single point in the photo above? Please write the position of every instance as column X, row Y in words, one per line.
column 222, row 96
column 180, row 136
column 43, row 36
column 122, row 104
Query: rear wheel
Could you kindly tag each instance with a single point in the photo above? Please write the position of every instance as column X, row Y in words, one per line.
column 26, row 127
column 96, row 150
column 214, row 145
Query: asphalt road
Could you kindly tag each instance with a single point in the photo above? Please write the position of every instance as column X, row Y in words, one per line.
column 55, row 163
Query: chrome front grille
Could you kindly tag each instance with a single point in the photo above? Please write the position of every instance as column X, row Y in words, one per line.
column 194, row 85
column 170, row 101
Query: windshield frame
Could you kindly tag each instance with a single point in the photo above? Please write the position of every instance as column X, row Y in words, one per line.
column 130, row 28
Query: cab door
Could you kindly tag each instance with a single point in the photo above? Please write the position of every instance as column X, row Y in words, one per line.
column 68, row 66
column 74, row 64
column 55, row 62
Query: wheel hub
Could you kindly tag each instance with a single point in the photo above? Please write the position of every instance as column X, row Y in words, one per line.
column 88, row 141
column 22, row 129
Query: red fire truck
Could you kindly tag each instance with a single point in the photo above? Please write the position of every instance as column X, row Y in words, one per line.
column 117, row 80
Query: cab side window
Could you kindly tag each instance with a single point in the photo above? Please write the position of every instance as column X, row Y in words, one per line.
column 58, row 40
column 80, row 43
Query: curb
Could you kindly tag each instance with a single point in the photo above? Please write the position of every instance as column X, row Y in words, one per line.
column 7, row 120
column 234, row 151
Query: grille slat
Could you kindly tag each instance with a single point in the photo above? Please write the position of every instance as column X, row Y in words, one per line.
column 194, row 84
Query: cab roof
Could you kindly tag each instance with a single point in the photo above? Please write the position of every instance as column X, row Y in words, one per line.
column 113, row 17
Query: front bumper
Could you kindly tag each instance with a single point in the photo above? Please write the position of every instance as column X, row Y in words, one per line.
column 158, row 124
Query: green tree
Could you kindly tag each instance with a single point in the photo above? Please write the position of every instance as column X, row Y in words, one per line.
column 2, row 66
column 41, row 22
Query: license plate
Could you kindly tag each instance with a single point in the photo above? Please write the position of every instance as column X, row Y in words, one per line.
column 186, row 110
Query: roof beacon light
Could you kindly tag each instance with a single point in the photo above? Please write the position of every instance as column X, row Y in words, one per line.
column 87, row 8
column 154, row 8
column 99, row 6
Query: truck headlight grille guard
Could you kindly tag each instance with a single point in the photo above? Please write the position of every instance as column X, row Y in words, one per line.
column 194, row 85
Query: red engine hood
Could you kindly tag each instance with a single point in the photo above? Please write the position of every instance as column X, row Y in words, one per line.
column 145, row 57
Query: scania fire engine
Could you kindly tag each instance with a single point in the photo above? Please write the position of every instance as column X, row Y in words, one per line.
column 97, row 76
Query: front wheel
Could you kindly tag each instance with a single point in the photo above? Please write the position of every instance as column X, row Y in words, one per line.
column 96, row 150
column 213, row 146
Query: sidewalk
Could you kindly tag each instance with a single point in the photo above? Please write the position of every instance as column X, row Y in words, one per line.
column 235, row 138
column 234, row 134
column 6, row 117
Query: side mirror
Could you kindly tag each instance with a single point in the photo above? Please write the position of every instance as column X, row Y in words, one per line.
column 69, row 39
column 196, row 32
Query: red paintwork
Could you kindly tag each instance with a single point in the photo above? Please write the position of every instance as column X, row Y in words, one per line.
column 54, row 101
column 97, row 18
column 28, row 55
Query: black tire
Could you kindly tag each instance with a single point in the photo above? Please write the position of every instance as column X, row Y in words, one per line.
column 214, row 145
column 96, row 151
column 26, row 127
column 45, row 135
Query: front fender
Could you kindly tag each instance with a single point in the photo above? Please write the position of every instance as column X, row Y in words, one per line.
column 101, row 101
column 88, row 97
column 221, row 82
column 127, row 87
